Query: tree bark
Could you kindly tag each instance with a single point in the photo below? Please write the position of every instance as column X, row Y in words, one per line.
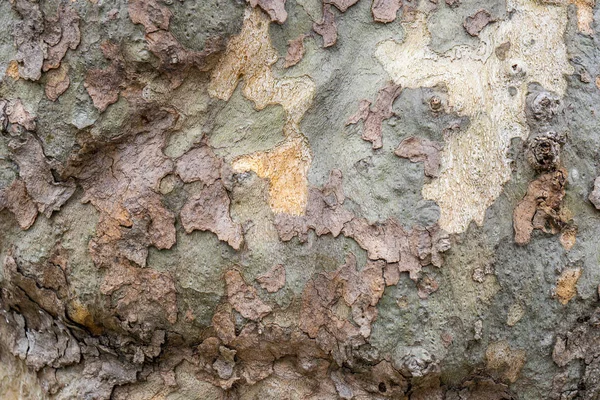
column 299, row 199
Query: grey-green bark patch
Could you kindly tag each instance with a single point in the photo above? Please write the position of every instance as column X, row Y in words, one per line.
column 239, row 129
column 195, row 22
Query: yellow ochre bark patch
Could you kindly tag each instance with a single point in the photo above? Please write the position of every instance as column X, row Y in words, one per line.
column 286, row 168
column 566, row 285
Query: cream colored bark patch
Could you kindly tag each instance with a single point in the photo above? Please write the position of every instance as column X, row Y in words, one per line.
column 515, row 313
column 250, row 56
column 490, row 91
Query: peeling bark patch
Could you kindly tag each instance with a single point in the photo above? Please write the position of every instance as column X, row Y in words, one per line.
column 17, row 114
column 122, row 182
column 386, row 241
column 17, row 201
column 407, row 251
column 67, row 26
column 327, row 28
column 199, row 164
column 52, row 344
column 244, row 298
column 360, row 292
column 58, row 82
column 141, row 293
column 390, row 242
column 175, row 59
column 44, row 283
column 250, row 55
column 273, row 280
column 422, row 150
column 104, row 85
column 223, row 324
column 295, row 51
column 27, row 35
column 209, row 211
column 374, row 115
column 476, row 22
column 501, row 358
column 542, row 208
column 580, row 342
column 42, row 43
column 150, row 14
column 566, row 285
column 385, row 10
column 36, row 336
column 274, row 8
column 34, row 170
column 474, row 164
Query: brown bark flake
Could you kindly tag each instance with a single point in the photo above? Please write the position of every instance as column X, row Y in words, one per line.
column 295, row 51
column 273, row 280
column 385, row 10
column 244, row 298
column 422, row 150
column 542, row 207
column 209, row 211
column 15, row 198
column 322, row 312
column 199, row 164
column 476, row 22
column 35, row 171
column 67, row 26
column 150, row 14
column 104, row 85
column 275, row 9
column 374, row 115
column 327, row 28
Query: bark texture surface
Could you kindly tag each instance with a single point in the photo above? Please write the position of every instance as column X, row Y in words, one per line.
column 299, row 199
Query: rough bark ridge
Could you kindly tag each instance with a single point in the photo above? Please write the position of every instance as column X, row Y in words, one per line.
column 303, row 199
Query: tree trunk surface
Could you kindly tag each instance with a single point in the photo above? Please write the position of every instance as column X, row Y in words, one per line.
column 299, row 199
